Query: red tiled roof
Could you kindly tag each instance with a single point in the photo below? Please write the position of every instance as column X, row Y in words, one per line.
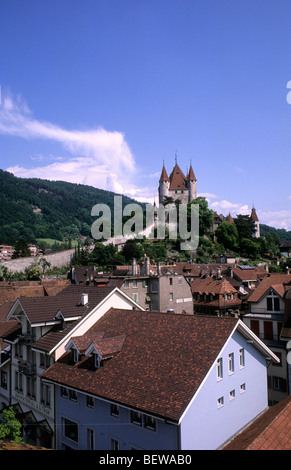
column 270, row 431
column 164, row 175
column 68, row 301
column 274, row 280
column 210, row 285
column 254, row 215
column 253, row 274
column 163, row 360
column 191, row 176
column 177, row 179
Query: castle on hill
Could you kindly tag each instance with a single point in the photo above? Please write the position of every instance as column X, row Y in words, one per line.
column 177, row 186
column 184, row 188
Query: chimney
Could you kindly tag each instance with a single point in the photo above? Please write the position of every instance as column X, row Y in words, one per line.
column 134, row 267
column 84, row 299
column 147, row 266
column 287, row 270
column 218, row 273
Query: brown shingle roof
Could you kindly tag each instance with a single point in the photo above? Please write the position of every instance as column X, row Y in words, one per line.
column 163, row 360
column 275, row 280
column 271, row 431
column 253, row 274
column 164, row 175
column 177, row 179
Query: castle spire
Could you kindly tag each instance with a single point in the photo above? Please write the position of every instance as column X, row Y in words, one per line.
column 164, row 174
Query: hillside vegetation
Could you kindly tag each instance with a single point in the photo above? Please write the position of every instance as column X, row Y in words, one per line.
column 35, row 208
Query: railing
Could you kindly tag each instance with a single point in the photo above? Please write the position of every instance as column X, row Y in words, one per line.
column 26, row 338
column 27, row 368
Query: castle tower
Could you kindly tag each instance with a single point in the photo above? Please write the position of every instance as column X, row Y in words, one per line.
column 257, row 224
column 164, row 185
column 191, row 184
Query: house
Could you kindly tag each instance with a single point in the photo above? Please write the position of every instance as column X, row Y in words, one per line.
column 249, row 276
column 215, row 296
column 270, row 431
column 156, row 288
column 229, row 258
column 158, row 381
column 11, row 291
column 285, row 248
column 39, row 331
column 265, row 317
column 6, row 252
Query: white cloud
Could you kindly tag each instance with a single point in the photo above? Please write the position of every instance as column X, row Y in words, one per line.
column 98, row 157
column 224, row 207
column 277, row 219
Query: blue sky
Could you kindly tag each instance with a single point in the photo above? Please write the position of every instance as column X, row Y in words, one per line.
column 101, row 91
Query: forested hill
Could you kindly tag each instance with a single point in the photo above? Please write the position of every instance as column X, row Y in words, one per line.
column 35, row 208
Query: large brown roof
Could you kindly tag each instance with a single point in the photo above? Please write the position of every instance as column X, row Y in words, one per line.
column 271, row 431
column 250, row 273
column 177, row 179
column 68, row 301
column 163, row 360
column 275, row 280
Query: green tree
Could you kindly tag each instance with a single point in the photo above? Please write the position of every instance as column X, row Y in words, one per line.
column 10, row 428
column 21, row 249
column 227, row 235
column 33, row 272
column 245, row 226
column 249, row 248
column 205, row 215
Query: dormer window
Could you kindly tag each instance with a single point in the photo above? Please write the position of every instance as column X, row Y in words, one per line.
column 97, row 360
column 75, row 355
column 273, row 302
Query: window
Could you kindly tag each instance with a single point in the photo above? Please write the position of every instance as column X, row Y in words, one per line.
column 30, row 387
column 90, row 403
column 18, row 381
column 115, row 445
column 90, row 439
column 136, row 418
column 75, row 355
column 4, row 379
column 171, row 281
column 114, row 410
column 45, row 394
column 135, row 297
column 126, row 284
column 134, row 283
column 231, row 363
column 171, row 296
column 70, row 429
column 232, row 394
column 279, row 384
column 219, row 368
column 149, row 422
column 242, row 388
column 273, row 303
column 241, row 357
column 73, row 395
column 220, row 402
column 64, row 392
column 180, row 280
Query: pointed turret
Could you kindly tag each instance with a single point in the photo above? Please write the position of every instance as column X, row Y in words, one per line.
column 164, row 184
column 255, row 218
column 192, row 184
column 164, row 175
column 191, row 175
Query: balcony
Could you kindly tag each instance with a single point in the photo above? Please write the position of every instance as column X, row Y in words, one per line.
column 27, row 368
column 26, row 338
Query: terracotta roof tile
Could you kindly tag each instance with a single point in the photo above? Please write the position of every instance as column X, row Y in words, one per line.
column 163, row 360
column 177, row 179
column 276, row 280
column 270, row 431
